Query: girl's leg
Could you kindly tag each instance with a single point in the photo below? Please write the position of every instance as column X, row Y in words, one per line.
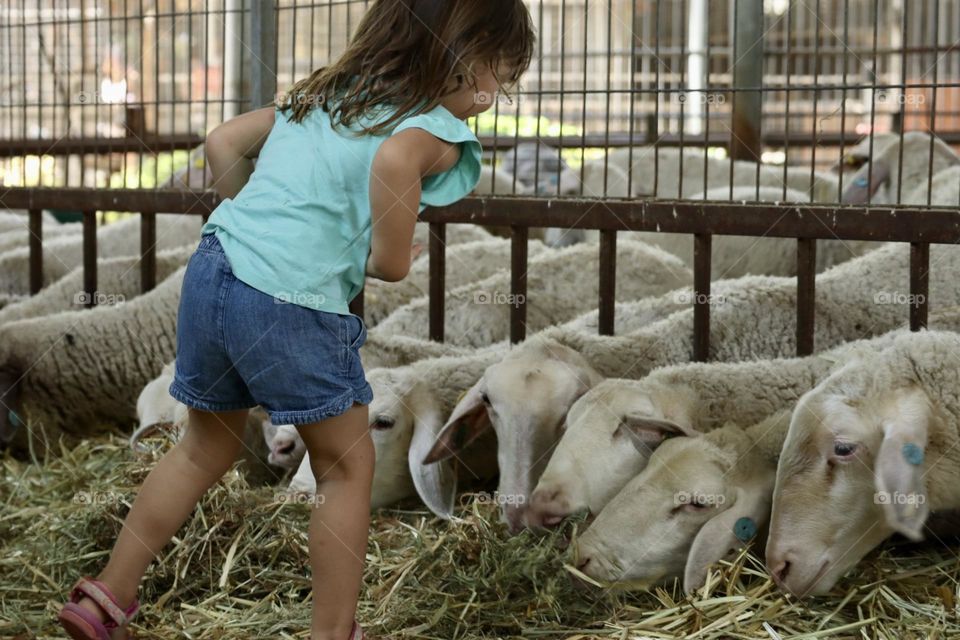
column 341, row 458
column 168, row 496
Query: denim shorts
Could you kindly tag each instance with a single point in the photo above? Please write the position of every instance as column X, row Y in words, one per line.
column 238, row 347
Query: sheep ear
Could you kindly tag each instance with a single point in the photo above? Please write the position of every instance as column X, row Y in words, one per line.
column 467, row 422
column 436, row 484
column 865, row 183
column 728, row 532
column 648, row 433
column 899, row 467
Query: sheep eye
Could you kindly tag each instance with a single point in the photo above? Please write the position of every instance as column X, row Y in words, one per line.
column 485, row 398
column 844, row 449
column 383, row 423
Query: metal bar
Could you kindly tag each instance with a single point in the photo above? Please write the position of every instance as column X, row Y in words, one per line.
column 133, row 200
column 74, row 146
column 518, row 283
column 919, row 285
column 36, row 250
column 747, row 73
column 148, row 251
column 437, row 248
column 90, row 258
column 806, row 295
column 608, row 282
column 702, row 245
column 263, row 50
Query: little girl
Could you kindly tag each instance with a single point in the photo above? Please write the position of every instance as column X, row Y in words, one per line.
column 346, row 163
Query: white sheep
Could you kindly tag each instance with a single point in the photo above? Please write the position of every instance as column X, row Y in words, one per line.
column 64, row 254
column 687, row 497
column 16, row 238
column 698, row 499
column 468, row 262
column 561, row 284
column 944, row 189
column 118, row 280
column 871, row 451
column 16, row 220
column 753, row 317
column 408, row 409
column 878, row 181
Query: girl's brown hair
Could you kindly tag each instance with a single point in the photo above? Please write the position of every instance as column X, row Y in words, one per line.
column 409, row 54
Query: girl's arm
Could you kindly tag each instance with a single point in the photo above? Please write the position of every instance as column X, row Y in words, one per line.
column 401, row 163
column 232, row 146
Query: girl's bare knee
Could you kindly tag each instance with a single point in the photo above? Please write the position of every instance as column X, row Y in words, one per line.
column 335, row 464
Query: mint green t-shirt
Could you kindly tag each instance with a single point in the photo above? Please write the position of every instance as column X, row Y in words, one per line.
column 300, row 229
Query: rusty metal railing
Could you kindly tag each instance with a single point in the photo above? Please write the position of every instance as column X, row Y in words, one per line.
column 807, row 223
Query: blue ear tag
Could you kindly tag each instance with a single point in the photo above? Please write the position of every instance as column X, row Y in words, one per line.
column 745, row 529
column 913, row 454
column 14, row 419
column 861, row 182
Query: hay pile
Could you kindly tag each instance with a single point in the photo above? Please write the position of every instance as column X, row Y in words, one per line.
column 239, row 569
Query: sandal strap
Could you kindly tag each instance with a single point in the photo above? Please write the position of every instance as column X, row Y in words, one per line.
column 100, row 593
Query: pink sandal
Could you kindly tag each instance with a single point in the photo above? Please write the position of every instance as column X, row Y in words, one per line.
column 81, row 624
column 357, row 632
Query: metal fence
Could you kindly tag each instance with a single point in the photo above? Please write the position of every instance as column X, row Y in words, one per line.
column 103, row 101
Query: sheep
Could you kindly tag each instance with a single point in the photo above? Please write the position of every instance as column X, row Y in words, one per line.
column 752, row 318
column 496, row 181
column 408, row 408
column 118, row 280
column 871, row 451
column 15, row 220
column 944, row 190
column 698, row 499
column 558, row 280
column 585, row 471
column 63, row 254
column 469, row 262
column 7, row 299
column 72, row 372
column 859, row 154
column 16, row 238
column 878, row 181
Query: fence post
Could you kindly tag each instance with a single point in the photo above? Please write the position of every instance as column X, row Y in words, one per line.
column 747, row 74
column 263, row 53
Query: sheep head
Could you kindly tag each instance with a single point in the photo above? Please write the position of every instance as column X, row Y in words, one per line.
column 609, row 436
column 524, row 398
column 850, row 475
column 699, row 500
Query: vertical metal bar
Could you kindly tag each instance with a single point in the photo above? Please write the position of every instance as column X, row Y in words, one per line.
column 608, row 282
column 437, row 287
column 806, row 294
column 36, row 250
column 747, row 79
column 702, row 249
column 90, row 257
column 148, row 251
column 518, row 283
column 263, row 59
column 919, row 285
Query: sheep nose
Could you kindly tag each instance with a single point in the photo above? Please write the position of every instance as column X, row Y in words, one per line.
column 779, row 571
column 284, row 449
column 582, row 565
column 514, row 515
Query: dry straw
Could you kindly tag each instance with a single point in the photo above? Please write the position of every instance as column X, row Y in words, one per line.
column 239, row 570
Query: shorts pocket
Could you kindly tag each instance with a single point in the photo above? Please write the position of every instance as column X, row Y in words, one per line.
column 356, row 331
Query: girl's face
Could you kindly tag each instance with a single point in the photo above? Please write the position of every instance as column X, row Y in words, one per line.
column 470, row 100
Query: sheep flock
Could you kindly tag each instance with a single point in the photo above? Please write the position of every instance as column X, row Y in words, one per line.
column 682, row 497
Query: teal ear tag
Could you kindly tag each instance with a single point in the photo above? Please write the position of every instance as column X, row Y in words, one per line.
column 913, row 454
column 14, row 419
column 745, row 529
